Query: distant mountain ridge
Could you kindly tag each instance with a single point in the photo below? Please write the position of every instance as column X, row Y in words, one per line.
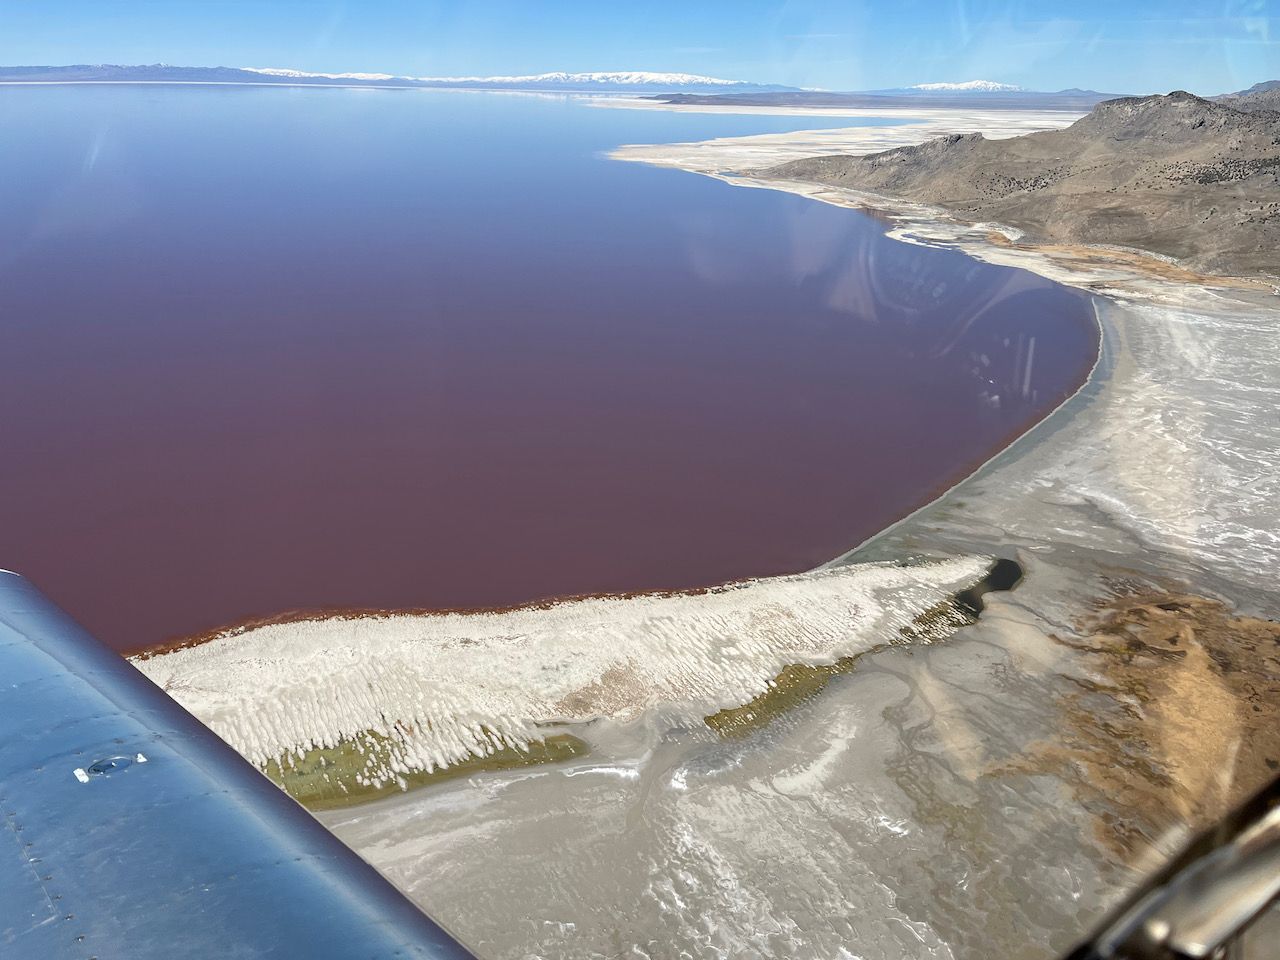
column 986, row 94
column 601, row 81
column 968, row 86
column 660, row 85
column 1261, row 96
column 617, row 78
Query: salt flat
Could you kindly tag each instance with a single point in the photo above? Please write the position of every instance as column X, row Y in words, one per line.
column 443, row 687
column 756, row 152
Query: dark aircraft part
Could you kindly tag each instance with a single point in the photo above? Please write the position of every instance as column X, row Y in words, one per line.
column 131, row 830
column 1200, row 903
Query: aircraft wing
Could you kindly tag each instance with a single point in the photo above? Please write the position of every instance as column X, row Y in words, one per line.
column 131, row 830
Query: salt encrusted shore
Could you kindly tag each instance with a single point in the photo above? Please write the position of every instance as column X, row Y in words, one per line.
column 742, row 154
column 442, row 688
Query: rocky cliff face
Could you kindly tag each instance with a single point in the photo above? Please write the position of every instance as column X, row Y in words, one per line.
column 1176, row 175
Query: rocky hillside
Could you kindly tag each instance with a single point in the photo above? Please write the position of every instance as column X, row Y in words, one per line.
column 1175, row 175
column 1261, row 96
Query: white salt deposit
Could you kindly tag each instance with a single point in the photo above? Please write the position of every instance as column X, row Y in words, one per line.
column 739, row 154
column 442, row 687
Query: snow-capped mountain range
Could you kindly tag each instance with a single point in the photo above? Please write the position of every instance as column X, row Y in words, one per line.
column 653, row 84
column 559, row 79
column 969, row 86
column 603, row 81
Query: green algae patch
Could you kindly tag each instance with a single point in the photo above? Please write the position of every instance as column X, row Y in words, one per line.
column 799, row 682
column 795, row 685
column 326, row 778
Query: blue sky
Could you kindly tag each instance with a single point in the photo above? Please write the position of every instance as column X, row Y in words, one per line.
column 1209, row 46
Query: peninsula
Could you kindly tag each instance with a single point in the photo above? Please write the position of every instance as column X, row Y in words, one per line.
column 1179, row 176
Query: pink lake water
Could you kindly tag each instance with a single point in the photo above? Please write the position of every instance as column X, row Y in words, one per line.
column 272, row 350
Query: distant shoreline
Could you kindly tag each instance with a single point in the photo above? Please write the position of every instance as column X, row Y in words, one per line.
column 616, row 81
column 294, row 85
column 1116, row 278
column 1180, row 179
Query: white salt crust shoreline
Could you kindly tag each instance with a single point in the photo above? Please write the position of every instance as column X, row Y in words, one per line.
column 444, row 687
column 740, row 154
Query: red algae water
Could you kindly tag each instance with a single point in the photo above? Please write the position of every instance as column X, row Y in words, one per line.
column 271, row 350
